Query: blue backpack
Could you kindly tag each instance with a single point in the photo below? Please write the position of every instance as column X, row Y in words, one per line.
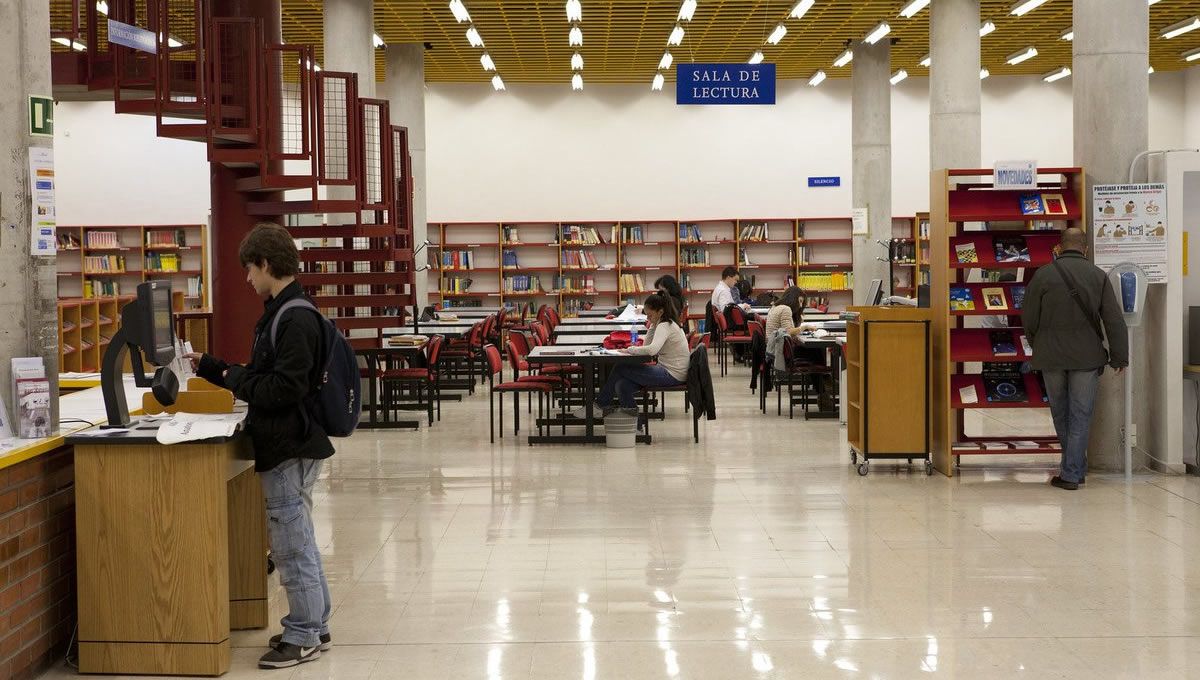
column 337, row 403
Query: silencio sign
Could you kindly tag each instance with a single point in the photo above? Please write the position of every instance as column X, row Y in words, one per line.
column 725, row 84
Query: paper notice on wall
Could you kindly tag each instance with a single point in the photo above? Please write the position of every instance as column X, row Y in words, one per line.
column 41, row 188
column 1130, row 225
column 861, row 219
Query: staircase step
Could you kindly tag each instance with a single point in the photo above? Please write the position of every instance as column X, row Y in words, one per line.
column 345, row 301
column 353, row 278
column 357, row 322
column 340, row 231
column 268, row 208
column 275, row 183
column 344, row 255
column 192, row 132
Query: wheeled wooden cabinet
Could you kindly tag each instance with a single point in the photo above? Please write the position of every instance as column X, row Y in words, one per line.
column 171, row 550
column 888, row 361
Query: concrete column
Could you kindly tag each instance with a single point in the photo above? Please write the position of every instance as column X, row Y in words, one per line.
column 1111, row 54
column 872, row 154
column 349, row 25
column 28, row 286
column 404, row 88
column 954, row 86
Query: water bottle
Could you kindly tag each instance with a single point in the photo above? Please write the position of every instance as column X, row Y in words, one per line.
column 633, row 338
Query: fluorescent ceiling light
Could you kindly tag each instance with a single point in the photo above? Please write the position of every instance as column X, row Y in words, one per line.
column 756, row 58
column 802, row 8
column 844, row 58
column 984, row 73
column 1058, row 74
column 487, row 63
column 574, row 10
column 1180, row 28
column 377, row 41
column 877, row 33
column 1068, row 34
column 497, row 82
column 986, row 28
column 665, row 62
column 474, row 38
column 687, row 10
column 1193, row 55
column 1153, row 2
column 899, row 76
column 577, row 62
column 577, row 82
column 926, row 61
column 75, row 45
column 102, row 7
column 575, row 37
column 658, row 82
column 1026, row 6
column 460, row 11
column 1150, row 71
column 1024, row 55
column 910, row 10
column 777, row 34
column 172, row 41
column 817, row 78
column 676, row 37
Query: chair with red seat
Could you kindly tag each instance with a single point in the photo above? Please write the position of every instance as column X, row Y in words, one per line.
column 424, row 379
column 493, row 365
column 465, row 351
column 797, row 370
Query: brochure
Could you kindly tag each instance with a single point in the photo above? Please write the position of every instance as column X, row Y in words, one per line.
column 1010, row 249
column 993, row 298
column 1031, row 204
column 961, row 300
column 1054, row 204
column 966, row 253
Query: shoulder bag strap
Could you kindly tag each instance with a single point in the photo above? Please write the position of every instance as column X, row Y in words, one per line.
column 1089, row 313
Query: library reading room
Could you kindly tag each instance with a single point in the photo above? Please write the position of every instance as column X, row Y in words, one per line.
column 599, row 339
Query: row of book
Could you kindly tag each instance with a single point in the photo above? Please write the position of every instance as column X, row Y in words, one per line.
column 68, row 241
column 826, row 281
column 522, row 283
column 164, row 239
column 755, row 232
column 104, row 264
column 994, row 298
column 690, row 233
column 1043, row 204
column 576, row 234
column 163, row 262
column 693, row 256
column 629, row 233
column 102, row 239
column 572, row 307
column 575, row 284
column 94, row 289
column 458, row 259
column 195, row 286
column 578, row 259
column 456, row 284
column 902, row 252
column 1004, row 343
column 631, row 283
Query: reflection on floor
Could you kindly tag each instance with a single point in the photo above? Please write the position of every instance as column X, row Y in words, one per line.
column 758, row 553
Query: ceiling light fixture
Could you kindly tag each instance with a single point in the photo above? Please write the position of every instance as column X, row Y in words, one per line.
column 777, row 34
column 986, row 28
column 1175, row 30
column 1057, row 74
column 461, row 14
column 665, row 62
column 487, row 63
column 817, row 78
column 1068, row 35
column 102, row 7
column 474, row 38
column 1026, row 6
column 574, row 10
column 676, row 37
column 1192, row 55
column 497, row 82
column 377, row 41
column 756, row 58
column 1153, row 2
column 1150, row 71
column 910, row 10
column 844, row 58
column 984, row 73
column 926, row 61
column 577, row 82
column 172, row 41
column 575, row 37
column 687, row 10
column 1024, row 55
column 899, row 76
column 577, row 62
column 877, row 33
column 73, row 44
column 801, row 8
column 658, row 82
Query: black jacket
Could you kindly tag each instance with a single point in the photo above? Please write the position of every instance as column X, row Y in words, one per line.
column 1063, row 338
column 700, row 385
column 275, row 382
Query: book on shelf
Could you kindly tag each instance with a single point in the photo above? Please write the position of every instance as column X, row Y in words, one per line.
column 578, row 259
column 1002, row 343
column 631, row 283
column 1025, row 346
column 744, row 258
column 509, row 259
column 1031, row 204
column 755, row 232
column 1003, row 382
column 456, row 284
column 68, row 241
column 961, row 300
column 103, row 264
column 522, row 283
column 195, row 286
column 511, row 236
column 902, row 251
column 580, row 235
column 1018, row 296
column 458, row 259
column 689, row 232
column 965, row 252
column 822, row 281
column 162, row 262
column 576, row 284
column 632, row 233
column 162, row 238
column 1054, row 204
column 993, row 299
column 694, row 256
column 923, row 229
column 102, row 239
column 1010, row 249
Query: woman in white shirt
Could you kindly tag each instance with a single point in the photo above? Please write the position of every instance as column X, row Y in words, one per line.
column 664, row 339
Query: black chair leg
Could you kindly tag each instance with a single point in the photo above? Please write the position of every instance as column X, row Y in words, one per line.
column 492, row 416
column 516, row 413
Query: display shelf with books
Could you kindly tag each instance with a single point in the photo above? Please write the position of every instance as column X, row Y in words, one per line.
column 921, row 235
column 978, row 237
column 902, row 253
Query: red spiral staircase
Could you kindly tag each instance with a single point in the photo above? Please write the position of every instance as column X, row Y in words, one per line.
column 298, row 140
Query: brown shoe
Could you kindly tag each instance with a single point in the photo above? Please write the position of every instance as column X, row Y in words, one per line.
column 1063, row 484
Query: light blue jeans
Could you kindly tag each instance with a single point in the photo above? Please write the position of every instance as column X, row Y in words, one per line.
column 288, row 491
column 1072, row 399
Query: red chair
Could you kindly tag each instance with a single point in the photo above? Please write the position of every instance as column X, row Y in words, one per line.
column 494, row 365
column 466, row 351
column 797, row 371
column 424, row 379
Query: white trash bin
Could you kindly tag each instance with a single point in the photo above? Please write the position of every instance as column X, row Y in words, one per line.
column 620, row 430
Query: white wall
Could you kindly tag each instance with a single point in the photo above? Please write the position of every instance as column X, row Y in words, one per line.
column 613, row 152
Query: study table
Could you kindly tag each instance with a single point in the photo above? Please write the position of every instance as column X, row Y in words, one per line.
column 376, row 358
column 590, row 360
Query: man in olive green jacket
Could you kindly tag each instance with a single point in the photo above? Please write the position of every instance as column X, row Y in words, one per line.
column 1068, row 345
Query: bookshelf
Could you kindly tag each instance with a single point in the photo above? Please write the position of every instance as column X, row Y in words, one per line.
column 979, row 234
column 902, row 252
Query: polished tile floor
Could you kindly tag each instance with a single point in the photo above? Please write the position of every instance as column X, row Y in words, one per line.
column 758, row 553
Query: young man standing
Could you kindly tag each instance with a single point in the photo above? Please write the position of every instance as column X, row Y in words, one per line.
column 289, row 446
column 1066, row 303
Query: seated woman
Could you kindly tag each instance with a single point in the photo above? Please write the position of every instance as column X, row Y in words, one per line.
column 668, row 287
column 665, row 340
column 786, row 312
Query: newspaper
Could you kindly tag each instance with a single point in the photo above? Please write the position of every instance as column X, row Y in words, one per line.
column 190, row 427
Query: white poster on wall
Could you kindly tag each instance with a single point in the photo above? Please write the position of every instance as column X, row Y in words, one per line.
column 41, row 188
column 1130, row 225
column 861, row 221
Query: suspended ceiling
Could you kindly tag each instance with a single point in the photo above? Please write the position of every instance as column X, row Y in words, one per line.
column 623, row 40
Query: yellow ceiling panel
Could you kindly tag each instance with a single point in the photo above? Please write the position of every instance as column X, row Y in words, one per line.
column 623, row 40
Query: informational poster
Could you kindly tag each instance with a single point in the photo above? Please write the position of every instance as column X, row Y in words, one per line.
column 41, row 188
column 860, row 220
column 1130, row 225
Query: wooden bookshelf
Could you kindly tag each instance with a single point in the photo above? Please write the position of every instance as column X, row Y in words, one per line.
column 970, row 224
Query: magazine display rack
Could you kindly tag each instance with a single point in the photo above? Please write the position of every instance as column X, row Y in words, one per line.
column 984, row 246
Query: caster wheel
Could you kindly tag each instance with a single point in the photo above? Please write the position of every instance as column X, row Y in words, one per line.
column 862, row 469
column 928, row 469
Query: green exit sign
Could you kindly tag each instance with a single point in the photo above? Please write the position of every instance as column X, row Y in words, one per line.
column 41, row 116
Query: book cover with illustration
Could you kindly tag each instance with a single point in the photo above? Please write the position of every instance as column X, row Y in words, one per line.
column 961, row 300
column 966, row 253
column 1018, row 296
column 1002, row 343
column 1032, row 204
column 1011, row 249
column 1054, row 204
column 993, row 298
column 1003, row 383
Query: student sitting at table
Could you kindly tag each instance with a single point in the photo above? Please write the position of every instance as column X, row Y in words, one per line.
column 786, row 312
column 668, row 287
column 665, row 340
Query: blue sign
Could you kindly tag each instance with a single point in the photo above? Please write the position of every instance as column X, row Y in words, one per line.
column 824, row 181
column 725, row 84
column 131, row 36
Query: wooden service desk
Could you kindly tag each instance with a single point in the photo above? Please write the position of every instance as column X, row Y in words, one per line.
column 171, row 551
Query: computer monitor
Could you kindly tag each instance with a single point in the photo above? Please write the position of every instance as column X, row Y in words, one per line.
column 874, row 293
column 147, row 330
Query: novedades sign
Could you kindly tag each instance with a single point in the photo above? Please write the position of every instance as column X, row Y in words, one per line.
column 1016, row 175
column 725, row 84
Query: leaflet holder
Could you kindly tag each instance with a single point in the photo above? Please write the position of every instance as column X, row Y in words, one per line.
column 147, row 330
